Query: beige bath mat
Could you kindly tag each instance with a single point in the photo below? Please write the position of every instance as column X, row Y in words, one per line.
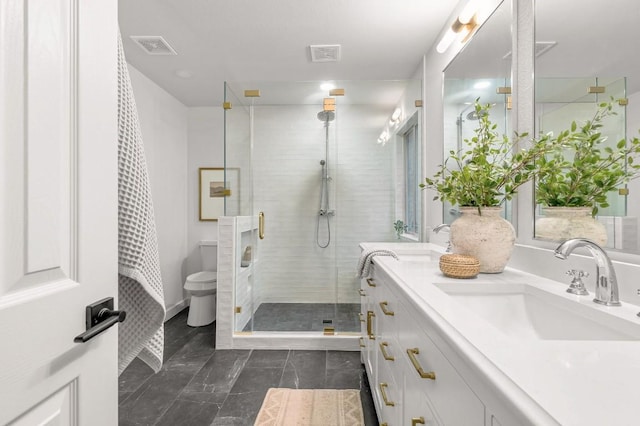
column 311, row 407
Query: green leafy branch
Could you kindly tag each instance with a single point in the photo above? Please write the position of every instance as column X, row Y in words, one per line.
column 580, row 171
column 489, row 170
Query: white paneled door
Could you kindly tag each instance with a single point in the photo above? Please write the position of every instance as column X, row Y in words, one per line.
column 58, row 213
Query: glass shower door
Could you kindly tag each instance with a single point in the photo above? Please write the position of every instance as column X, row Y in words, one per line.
column 324, row 183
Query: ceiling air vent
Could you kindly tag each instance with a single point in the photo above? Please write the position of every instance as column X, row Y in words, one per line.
column 325, row 52
column 153, row 45
column 540, row 48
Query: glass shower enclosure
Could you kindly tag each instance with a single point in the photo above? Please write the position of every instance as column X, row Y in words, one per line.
column 310, row 164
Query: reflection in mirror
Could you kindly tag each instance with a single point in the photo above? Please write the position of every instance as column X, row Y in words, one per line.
column 583, row 59
column 481, row 71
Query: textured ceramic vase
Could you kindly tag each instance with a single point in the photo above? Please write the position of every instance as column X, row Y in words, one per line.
column 562, row 223
column 486, row 236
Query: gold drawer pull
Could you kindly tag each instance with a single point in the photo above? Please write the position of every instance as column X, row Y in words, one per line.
column 361, row 316
column 417, row 421
column 371, row 282
column 362, row 293
column 412, row 356
column 383, row 306
column 362, row 345
column 383, row 386
column 370, row 316
column 386, row 356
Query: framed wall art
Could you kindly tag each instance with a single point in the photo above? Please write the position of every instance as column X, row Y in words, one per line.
column 212, row 193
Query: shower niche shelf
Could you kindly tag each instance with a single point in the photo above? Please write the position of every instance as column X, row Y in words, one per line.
column 235, row 281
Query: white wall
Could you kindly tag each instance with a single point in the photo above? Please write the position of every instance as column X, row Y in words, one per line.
column 205, row 149
column 164, row 126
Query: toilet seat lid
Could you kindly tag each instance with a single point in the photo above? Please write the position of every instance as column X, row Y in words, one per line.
column 203, row 277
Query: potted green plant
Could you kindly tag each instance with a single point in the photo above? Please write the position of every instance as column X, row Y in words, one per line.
column 575, row 177
column 479, row 179
column 399, row 227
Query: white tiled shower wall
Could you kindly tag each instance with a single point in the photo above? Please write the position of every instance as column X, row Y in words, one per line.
column 289, row 143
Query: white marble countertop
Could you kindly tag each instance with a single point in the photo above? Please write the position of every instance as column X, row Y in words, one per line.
column 567, row 382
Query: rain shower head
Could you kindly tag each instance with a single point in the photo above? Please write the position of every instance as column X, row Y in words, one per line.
column 473, row 115
column 326, row 116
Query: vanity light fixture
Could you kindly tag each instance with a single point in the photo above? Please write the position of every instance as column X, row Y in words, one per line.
column 395, row 117
column 384, row 137
column 468, row 21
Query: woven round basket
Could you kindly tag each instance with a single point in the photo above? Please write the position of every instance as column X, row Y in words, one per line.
column 459, row 265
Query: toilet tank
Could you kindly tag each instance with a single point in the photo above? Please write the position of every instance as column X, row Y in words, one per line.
column 209, row 255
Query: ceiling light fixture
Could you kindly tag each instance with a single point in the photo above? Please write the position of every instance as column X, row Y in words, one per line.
column 327, row 86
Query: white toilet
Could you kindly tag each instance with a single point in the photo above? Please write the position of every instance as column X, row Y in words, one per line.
column 202, row 287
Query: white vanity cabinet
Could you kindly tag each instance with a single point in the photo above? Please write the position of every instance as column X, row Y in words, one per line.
column 411, row 379
column 427, row 369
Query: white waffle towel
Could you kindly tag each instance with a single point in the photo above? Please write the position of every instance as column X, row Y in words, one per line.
column 364, row 264
column 139, row 281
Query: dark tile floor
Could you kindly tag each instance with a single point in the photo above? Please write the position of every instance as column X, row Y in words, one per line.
column 199, row 385
column 305, row 317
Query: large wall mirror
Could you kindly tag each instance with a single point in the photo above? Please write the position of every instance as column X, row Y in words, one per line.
column 481, row 70
column 587, row 54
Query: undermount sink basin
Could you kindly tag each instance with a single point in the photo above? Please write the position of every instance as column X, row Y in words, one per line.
column 528, row 312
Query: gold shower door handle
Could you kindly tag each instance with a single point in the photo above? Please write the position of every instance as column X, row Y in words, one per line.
column 261, row 225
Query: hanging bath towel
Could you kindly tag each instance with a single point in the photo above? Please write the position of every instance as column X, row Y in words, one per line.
column 139, row 282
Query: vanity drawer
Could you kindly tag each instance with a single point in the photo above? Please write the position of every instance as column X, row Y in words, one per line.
column 385, row 307
column 426, row 369
column 388, row 397
column 417, row 408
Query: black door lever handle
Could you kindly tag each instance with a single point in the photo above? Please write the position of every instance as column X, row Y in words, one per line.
column 99, row 317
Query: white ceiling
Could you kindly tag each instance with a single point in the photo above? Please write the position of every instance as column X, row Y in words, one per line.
column 268, row 40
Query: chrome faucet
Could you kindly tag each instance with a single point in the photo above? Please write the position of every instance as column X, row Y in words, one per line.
column 441, row 227
column 606, row 282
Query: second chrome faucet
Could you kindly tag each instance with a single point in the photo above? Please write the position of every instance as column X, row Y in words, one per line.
column 606, row 282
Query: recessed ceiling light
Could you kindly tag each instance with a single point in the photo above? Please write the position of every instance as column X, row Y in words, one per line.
column 482, row 85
